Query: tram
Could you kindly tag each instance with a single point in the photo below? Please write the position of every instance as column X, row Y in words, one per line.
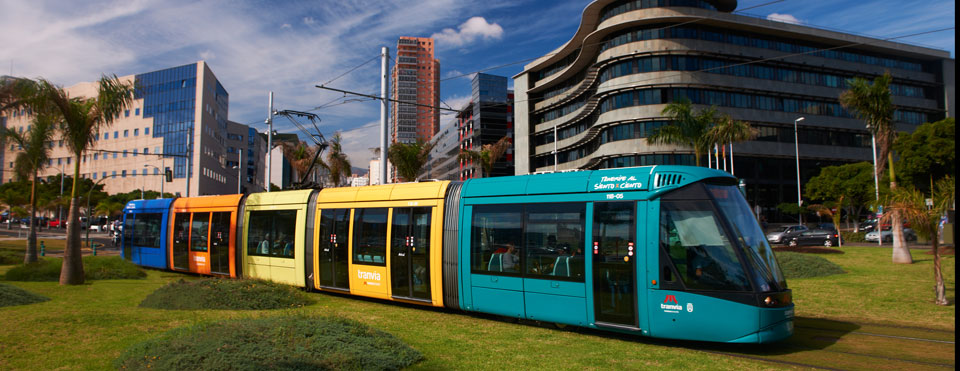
column 660, row 251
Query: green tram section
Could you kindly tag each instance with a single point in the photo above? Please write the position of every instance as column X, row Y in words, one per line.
column 274, row 243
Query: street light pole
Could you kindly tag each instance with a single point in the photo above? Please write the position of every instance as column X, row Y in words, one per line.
column 555, row 153
column 796, row 146
column 239, row 169
column 60, row 202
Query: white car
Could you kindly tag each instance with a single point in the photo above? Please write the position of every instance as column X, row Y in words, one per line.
column 887, row 235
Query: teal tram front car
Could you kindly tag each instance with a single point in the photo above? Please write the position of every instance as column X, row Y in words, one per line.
column 662, row 251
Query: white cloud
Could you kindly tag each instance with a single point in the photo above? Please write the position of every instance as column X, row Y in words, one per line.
column 456, row 102
column 786, row 18
column 309, row 20
column 286, row 26
column 472, row 29
column 356, row 143
column 456, row 73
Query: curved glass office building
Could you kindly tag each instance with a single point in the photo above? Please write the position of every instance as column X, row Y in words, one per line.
column 603, row 91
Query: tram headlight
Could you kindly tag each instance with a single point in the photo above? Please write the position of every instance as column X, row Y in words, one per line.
column 770, row 301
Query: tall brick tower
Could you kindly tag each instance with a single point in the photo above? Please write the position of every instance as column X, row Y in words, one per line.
column 416, row 80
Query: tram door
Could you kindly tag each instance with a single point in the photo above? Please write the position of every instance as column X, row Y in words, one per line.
column 333, row 256
column 199, row 243
column 614, row 266
column 410, row 253
column 220, row 243
column 181, row 241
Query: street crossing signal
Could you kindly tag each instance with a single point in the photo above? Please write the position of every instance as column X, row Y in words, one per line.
column 168, row 175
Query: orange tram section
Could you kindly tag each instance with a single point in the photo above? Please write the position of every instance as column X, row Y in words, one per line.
column 202, row 235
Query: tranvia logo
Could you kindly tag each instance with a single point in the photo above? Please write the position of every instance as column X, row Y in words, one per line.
column 617, row 182
column 368, row 275
column 670, row 305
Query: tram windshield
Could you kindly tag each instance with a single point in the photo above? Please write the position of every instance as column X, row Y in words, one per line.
column 766, row 270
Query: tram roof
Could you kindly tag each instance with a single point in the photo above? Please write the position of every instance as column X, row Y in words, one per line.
column 386, row 192
column 655, row 179
column 159, row 203
column 279, row 198
column 207, row 202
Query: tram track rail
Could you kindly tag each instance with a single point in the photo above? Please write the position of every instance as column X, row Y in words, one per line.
column 882, row 347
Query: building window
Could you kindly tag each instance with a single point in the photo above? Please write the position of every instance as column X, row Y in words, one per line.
column 136, row 132
column 126, row 113
column 126, row 133
column 136, row 112
column 146, row 131
column 116, row 134
column 146, row 150
column 124, row 153
column 106, row 135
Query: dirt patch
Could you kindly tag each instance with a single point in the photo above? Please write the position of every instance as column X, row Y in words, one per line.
column 944, row 250
column 809, row 250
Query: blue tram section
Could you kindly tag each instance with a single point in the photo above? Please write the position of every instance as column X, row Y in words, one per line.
column 145, row 226
column 664, row 251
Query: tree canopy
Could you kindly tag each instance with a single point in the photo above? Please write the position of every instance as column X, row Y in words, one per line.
column 928, row 154
column 409, row 158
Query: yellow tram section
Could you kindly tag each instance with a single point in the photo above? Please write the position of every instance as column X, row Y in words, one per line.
column 272, row 213
column 376, row 281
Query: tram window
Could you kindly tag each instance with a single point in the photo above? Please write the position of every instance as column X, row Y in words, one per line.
column 198, row 231
column 271, row 233
column 691, row 233
column 496, row 239
column 553, row 240
column 370, row 236
column 146, row 230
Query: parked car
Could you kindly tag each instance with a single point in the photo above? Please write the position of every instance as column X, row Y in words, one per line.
column 887, row 235
column 55, row 223
column 827, row 226
column 818, row 237
column 784, row 233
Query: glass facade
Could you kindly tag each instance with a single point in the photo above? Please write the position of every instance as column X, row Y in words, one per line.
column 170, row 98
column 740, row 38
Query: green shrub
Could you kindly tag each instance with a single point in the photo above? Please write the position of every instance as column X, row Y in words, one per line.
column 850, row 237
column 214, row 293
column 798, row 265
column 274, row 343
column 94, row 268
column 12, row 295
column 8, row 257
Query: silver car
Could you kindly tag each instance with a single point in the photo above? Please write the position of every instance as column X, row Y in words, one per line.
column 785, row 233
column 887, row 235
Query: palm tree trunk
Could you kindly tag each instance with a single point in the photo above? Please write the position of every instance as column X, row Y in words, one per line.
column 71, row 272
column 937, row 274
column 31, row 255
column 901, row 252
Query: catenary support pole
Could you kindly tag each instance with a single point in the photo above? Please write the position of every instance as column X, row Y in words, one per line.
column 384, row 108
column 269, row 139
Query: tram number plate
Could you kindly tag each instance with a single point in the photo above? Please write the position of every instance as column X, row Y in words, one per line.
column 615, row 196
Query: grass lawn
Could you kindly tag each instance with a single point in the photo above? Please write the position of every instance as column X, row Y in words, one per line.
column 874, row 290
column 88, row 326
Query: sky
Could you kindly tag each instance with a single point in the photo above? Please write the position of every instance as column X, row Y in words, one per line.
column 288, row 47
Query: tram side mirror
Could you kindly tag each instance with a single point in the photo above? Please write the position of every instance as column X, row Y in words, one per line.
column 168, row 175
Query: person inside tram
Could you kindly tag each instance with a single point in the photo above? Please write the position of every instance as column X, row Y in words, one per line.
column 510, row 259
column 277, row 247
column 264, row 247
column 287, row 247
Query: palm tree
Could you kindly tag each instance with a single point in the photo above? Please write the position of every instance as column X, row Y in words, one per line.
column 301, row 156
column 911, row 205
column 337, row 164
column 872, row 103
column 689, row 128
column 28, row 164
column 729, row 131
column 488, row 155
column 108, row 208
column 82, row 120
column 409, row 158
